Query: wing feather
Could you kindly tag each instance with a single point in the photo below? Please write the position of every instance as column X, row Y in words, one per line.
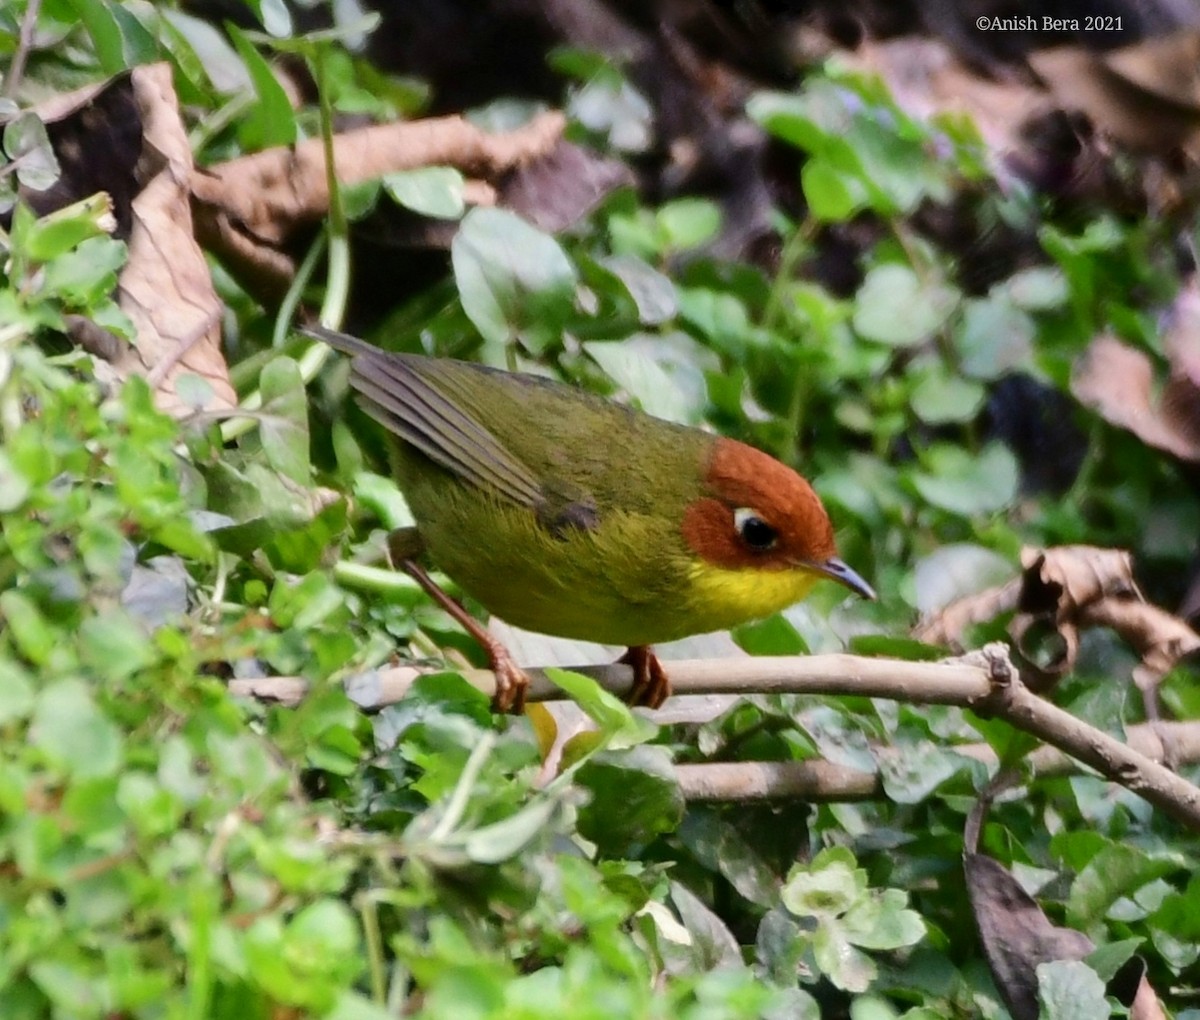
column 395, row 393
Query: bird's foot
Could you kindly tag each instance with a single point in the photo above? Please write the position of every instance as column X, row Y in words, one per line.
column 651, row 685
column 511, row 681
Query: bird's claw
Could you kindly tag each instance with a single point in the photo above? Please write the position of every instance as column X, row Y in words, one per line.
column 651, row 685
column 512, row 682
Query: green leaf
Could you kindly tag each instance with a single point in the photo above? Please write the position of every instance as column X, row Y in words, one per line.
column 719, row 316
column 653, row 292
column 139, row 45
column 430, row 190
column 638, row 374
column 712, row 940
column 27, row 627
column 97, row 17
column 914, row 774
column 832, row 196
column 204, row 49
column 807, row 120
column 1109, row 958
column 58, row 232
column 270, row 121
column 273, row 15
column 352, row 1006
column 955, row 571
column 515, row 281
column 504, row 840
column 308, row 962
column 85, row 275
column 1037, row 290
column 872, row 1007
column 384, row 499
column 73, row 990
column 618, row 724
column 1117, row 870
column 306, row 603
column 73, row 733
column 16, row 694
column 825, row 889
column 151, row 808
column 884, row 922
column 893, row 306
column 995, row 338
column 688, row 223
column 772, row 636
column 1070, row 990
column 284, row 420
column 634, row 797
column 940, row 399
column 14, row 486
column 27, row 144
column 613, row 107
column 967, row 485
column 114, row 645
column 848, row 967
column 720, row 845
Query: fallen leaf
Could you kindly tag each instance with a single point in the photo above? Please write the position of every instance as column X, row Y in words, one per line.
column 1117, row 381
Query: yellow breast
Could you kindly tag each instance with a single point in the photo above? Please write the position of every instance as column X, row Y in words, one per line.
column 720, row 598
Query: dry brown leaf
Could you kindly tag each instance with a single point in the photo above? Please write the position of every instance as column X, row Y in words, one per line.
column 1061, row 592
column 562, row 186
column 166, row 288
column 1015, row 934
column 1117, row 382
column 249, row 208
column 1159, row 638
column 1146, row 1004
column 553, row 192
column 1077, row 587
column 125, row 137
column 1180, row 406
column 1067, row 578
column 1146, row 96
column 1056, row 586
column 948, row 626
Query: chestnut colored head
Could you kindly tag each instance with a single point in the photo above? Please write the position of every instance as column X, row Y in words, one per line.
column 759, row 514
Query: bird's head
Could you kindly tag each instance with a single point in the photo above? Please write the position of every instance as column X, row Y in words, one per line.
column 757, row 514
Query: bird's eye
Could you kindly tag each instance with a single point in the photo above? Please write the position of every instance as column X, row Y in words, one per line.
column 754, row 531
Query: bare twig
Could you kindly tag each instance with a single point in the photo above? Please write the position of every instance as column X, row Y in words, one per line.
column 954, row 682
column 983, row 681
column 16, row 70
column 824, row 782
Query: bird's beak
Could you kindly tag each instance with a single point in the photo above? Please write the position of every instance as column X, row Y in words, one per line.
column 836, row 570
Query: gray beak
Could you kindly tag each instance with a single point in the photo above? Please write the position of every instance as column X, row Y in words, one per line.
column 836, row 570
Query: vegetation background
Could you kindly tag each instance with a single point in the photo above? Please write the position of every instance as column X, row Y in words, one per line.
column 973, row 324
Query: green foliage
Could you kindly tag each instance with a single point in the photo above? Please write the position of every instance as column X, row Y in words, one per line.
column 171, row 851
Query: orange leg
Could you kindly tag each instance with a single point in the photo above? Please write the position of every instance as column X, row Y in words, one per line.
column 651, row 685
column 511, row 681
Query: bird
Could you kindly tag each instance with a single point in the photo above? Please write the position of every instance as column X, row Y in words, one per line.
column 566, row 513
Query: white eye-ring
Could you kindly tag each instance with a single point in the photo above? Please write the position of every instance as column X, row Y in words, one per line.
column 753, row 530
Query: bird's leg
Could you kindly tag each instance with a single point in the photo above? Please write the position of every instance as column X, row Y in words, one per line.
column 511, row 681
column 651, row 685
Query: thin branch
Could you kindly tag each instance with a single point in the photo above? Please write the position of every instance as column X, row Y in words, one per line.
column 954, row 682
column 983, row 681
column 24, row 43
column 820, row 781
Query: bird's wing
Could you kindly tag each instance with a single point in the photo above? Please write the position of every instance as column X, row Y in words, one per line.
column 397, row 396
